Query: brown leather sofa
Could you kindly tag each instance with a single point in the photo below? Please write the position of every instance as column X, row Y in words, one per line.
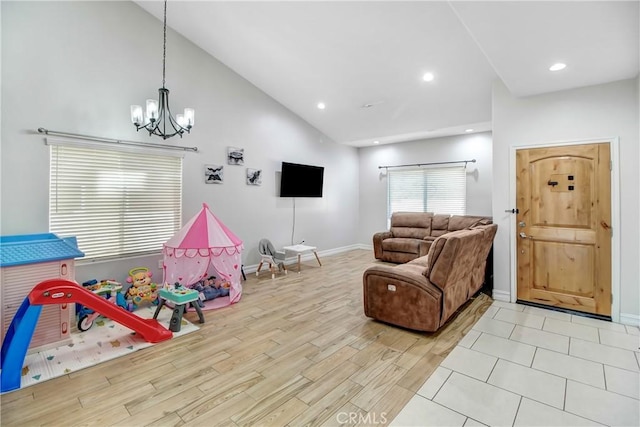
column 423, row 294
column 412, row 233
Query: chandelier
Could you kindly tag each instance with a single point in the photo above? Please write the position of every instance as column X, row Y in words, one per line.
column 157, row 118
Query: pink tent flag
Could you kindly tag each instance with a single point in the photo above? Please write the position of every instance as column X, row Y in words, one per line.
column 202, row 243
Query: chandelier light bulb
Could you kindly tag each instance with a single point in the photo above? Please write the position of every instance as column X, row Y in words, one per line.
column 189, row 117
column 136, row 114
column 152, row 109
column 181, row 121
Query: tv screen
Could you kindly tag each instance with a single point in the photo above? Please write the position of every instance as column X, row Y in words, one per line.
column 301, row 180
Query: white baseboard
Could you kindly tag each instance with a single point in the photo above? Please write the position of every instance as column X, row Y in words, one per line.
column 630, row 319
column 329, row 252
column 501, row 295
column 311, row 257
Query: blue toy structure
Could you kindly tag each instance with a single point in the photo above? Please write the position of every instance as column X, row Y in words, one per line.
column 36, row 248
column 26, row 260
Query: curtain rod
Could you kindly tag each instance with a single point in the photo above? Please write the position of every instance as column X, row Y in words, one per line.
column 428, row 164
column 115, row 141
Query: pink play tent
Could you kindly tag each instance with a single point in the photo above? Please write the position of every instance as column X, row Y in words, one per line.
column 203, row 244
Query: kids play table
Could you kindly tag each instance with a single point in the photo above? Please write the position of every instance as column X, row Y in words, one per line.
column 181, row 298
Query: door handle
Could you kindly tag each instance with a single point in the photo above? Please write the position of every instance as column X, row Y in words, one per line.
column 523, row 235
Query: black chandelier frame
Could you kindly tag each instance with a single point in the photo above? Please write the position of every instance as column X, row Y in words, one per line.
column 165, row 125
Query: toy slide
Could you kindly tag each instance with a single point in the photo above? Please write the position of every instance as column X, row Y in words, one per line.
column 60, row 291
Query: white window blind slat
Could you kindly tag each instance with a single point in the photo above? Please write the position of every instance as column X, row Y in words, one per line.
column 438, row 190
column 116, row 203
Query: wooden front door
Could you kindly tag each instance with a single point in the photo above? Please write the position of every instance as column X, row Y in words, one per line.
column 563, row 227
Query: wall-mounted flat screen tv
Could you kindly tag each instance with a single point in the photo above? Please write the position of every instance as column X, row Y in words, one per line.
column 301, row 180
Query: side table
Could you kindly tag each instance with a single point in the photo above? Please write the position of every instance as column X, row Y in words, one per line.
column 300, row 249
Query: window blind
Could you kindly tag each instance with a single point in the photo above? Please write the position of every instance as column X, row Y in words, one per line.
column 116, row 203
column 438, row 190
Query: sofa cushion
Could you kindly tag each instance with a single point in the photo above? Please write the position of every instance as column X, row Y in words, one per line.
column 422, row 262
column 411, row 224
column 401, row 244
column 439, row 224
column 460, row 246
column 460, row 222
column 409, row 232
column 452, row 270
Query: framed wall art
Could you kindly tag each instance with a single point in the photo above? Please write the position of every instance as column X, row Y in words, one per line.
column 213, row 174
column 254, row 176
column 235, row 156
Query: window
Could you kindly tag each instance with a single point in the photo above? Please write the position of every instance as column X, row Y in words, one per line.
column 438, row 190
column 116, row 203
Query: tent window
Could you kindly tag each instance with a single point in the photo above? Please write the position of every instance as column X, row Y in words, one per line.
column 439, row 190
column 116, row 203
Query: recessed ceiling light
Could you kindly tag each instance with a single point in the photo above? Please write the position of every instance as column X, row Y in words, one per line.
column 427, row 77
column 468, row 130
column 557, row 67
column 376, row 142
column 321, row 105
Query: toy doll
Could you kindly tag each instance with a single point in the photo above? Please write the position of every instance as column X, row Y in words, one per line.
column 209, row 289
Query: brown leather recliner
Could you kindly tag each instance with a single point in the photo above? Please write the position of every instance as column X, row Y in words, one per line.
column 424, row 293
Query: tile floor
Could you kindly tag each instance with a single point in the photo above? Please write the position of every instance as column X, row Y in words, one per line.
column 525, row 366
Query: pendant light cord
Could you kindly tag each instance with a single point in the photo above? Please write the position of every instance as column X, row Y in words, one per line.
column 164, row 47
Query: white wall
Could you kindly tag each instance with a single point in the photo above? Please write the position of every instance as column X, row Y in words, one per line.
column 78, row 66
column 609, row 110
column 373, row 181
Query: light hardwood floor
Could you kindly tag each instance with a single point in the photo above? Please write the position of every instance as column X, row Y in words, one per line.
column 296, row 350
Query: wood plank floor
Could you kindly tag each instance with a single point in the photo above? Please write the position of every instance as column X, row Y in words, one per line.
column 295, row 351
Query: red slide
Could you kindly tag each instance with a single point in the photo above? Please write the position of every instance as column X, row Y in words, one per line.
column 60, row 291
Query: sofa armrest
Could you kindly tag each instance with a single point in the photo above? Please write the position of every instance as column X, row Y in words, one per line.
column 402, row 296
column 377, row 242
column 411, row 275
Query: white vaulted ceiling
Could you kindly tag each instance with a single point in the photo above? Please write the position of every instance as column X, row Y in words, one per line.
column 352, row 54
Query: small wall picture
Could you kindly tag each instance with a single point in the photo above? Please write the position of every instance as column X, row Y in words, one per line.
column 213, row 174
column 235, row 156
column 254, row 176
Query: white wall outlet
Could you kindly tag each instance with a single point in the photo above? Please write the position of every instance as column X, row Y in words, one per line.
column 160, row 261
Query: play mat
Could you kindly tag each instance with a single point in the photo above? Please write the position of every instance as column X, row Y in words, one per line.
column 105, row 340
